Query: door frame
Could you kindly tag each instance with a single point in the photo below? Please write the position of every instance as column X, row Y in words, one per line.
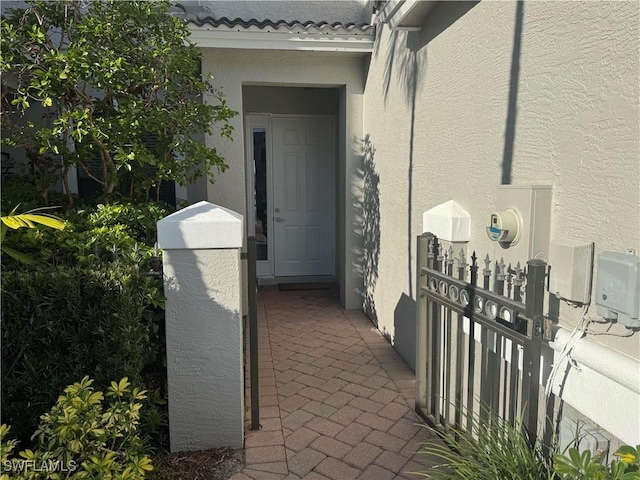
column 266, row 268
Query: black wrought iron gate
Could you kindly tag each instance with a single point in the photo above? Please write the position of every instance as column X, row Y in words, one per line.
column 478, row 345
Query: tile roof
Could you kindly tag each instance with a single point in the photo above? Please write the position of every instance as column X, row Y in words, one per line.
column 202, row 17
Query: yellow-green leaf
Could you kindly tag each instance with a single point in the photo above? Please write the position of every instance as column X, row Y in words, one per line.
column 16, row 255
column 28, row 454
column 29, row 219
column 95, row 397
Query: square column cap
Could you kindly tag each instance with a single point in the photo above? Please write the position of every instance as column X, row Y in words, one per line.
column 448, row 221
column 201, row 226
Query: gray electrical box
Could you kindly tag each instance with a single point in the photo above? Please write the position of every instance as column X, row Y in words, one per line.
column 618, row 288
column 571, row 264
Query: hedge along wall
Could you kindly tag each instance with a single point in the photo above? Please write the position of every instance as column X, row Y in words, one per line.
column 60, row 323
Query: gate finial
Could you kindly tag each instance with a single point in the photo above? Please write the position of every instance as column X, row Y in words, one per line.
column 462, row 262
column 487, row 262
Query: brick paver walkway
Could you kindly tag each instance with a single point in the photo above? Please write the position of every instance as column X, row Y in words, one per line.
column 336, row 400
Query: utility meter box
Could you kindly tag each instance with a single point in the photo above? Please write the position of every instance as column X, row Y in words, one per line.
column 571, row 265
column 521, row 224
column 618, row 288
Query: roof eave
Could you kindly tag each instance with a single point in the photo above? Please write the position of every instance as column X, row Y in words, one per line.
column 217, row 37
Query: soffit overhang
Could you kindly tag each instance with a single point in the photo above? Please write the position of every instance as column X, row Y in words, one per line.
column 405, row 14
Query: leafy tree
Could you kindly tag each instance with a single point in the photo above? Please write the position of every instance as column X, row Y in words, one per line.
column 109, row 76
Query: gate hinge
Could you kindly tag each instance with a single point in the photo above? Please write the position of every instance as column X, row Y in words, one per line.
column 243, row 255
column 547, row 334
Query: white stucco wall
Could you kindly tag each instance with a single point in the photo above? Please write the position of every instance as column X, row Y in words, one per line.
column 234, row 68
column 444, row 93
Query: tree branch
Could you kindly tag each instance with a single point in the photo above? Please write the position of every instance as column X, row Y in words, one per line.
column 89, row 174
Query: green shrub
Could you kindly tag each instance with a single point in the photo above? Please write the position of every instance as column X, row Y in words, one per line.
column 491, row 450
column 97, row 234
column 17, row 191
column 60, row 323
column 578, row 465
column 497, row 450
column 82, row 438
column 87, row 306
column 140, row 219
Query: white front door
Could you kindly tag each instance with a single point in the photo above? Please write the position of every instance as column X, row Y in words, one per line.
column 303, row 196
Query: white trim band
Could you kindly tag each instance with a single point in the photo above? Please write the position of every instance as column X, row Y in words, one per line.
column 623, row 370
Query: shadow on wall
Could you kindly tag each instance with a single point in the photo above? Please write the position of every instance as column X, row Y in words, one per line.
column 514, row 81
column 368, row 215
column 406, row 63
column 404, row 323
column 402, row 60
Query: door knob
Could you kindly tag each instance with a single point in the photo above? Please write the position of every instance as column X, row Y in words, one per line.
column 278, row 219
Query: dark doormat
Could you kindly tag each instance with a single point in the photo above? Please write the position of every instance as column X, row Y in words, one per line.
column 304, row 286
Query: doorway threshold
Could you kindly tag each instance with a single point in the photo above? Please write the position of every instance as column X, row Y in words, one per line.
column 313, row 279
column 285, row 287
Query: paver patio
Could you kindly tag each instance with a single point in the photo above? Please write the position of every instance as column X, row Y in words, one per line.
column 336, row 400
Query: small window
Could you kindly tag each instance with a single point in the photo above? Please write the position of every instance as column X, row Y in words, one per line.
column 260, row 210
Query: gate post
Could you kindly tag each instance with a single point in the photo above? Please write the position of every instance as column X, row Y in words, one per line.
column 202, row 284
column 534, row 310
column 421, row 327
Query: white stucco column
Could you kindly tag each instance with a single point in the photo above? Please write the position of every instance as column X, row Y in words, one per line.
column 202, row 283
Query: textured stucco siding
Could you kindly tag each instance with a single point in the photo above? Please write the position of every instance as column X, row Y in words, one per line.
column 234, row 69
column 455, row 101
column 204, row 348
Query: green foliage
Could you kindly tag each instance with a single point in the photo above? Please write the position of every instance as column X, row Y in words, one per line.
column 491, row 450
column 80, row 437
column 140, row 220
column 92, row 303
column 584, row 466
column 110, row 76
column 30, row 219
column 104, row 233
column 497, row 450
column 60, row 323
column 20, row 191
